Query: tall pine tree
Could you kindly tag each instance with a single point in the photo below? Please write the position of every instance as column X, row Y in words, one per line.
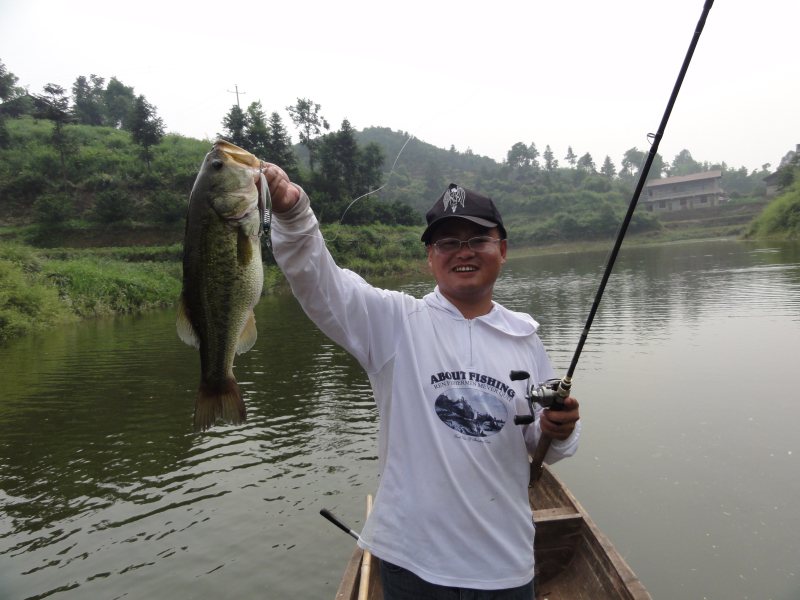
column 279, row 148
column 234, row 127
column 147, row 130
column 550, row 163
column 608, row 170
column 256, row 135
column 571, row 158
column 54, row 106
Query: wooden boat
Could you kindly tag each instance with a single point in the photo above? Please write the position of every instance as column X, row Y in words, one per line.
column 574, row 561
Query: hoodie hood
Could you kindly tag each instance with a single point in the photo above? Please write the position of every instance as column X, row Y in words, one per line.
column 500, row 318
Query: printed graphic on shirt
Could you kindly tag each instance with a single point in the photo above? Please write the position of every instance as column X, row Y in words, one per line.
column 471, row 412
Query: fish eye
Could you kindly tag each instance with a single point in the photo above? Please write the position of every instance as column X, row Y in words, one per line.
column 217, row 163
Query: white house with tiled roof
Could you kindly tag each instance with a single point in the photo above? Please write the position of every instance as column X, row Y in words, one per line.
column 700, row 190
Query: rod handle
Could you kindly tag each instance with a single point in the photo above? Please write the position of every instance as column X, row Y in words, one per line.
column 333, row 519
column 538, row 458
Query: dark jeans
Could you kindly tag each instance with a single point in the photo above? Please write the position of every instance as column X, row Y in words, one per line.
column 401, row 584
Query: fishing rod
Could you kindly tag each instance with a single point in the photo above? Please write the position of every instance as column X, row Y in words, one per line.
column 552, row 393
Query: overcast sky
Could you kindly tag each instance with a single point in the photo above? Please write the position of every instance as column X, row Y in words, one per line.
column 583, row 73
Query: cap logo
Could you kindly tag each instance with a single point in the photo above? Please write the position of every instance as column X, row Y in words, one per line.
column 454, row 196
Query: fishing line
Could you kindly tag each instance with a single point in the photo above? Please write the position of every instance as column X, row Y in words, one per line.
column 394, row 165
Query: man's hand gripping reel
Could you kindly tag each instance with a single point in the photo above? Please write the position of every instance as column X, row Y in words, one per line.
column 550, row 394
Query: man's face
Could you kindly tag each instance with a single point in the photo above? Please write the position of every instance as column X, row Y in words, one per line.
column 466, row 277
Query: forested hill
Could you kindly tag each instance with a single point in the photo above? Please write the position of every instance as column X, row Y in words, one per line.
column 417, row 155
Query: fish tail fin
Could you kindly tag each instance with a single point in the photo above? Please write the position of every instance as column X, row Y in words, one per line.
column 224, row 402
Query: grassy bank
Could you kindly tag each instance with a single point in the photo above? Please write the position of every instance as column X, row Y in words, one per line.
column 38, row 291
column 45, row 286
column 781, row 219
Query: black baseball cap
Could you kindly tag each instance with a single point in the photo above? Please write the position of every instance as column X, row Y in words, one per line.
column 457, row 201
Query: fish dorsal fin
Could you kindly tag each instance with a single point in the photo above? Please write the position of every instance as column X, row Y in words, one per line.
column 185, row 330
column 249, row 335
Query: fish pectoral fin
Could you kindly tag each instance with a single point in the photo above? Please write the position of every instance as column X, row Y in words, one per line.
column 244, row 246
column 185, row 329
column 248, row 336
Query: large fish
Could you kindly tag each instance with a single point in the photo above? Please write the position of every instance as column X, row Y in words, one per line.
column 222, row 277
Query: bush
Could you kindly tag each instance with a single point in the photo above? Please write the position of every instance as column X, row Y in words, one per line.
column 600, row 185
column 54, row 208
column 166, row 206
column 24, row 184
column 27, row 300
column 735, row 195
column 780, row 219
column 113, row 205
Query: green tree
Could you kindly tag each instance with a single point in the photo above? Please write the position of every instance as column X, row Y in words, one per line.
column 347, row 172
column 341, row 168
column 518, row 156
column 119, row 100
column 8, row 82
column 608, row 170
column 370, row 167
column 234, row 127
column 631, row 161
column 256, row 131
column 684, row 164
column 533, row 154
column 279, row 147
column 634, row 160
column 147, row 130
column 305, row 116
column 54, row 107
column 571, row 158
column 14, row 101
column 88, row 100
column 788, row 170
column 550, row 163
column 586, row 163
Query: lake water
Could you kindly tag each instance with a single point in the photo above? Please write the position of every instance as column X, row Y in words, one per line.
column 688, row 460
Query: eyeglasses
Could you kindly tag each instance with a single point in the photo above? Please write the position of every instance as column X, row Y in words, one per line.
column 476, row 244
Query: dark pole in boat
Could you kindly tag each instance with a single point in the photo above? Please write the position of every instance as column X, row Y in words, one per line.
column 563, row 387
column 335, row 520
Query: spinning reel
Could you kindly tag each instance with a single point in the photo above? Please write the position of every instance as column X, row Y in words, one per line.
column 549, row 394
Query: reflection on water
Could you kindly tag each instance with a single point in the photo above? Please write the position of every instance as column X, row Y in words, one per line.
column 685, row 463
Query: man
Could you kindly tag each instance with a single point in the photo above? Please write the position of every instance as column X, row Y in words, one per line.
column 451, row 513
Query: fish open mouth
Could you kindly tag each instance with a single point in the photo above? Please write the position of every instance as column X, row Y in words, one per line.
column 237, row 154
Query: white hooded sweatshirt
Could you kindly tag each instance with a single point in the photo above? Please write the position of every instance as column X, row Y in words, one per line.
column 452, row 505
